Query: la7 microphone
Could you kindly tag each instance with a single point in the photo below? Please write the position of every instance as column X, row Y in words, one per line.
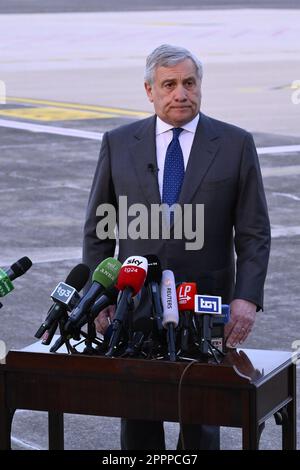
column 186, row 292
column 130, row 281
column 7, row 275
column 170, row 310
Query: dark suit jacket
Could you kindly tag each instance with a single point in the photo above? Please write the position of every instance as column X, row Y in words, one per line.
column 223, row 173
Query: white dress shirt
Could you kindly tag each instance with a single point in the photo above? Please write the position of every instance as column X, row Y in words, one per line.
column 164, row 135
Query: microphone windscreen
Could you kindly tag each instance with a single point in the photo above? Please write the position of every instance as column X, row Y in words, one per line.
column 107, row 272
column 133, row 274
column 186, row 292
column 169, row 298
column 154, row 269
column 21, row 266
column 78, row 276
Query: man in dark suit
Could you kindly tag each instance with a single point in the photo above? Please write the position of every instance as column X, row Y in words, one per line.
column 182, row 156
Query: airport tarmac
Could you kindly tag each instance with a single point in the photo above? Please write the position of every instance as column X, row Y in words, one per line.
column 66, row 84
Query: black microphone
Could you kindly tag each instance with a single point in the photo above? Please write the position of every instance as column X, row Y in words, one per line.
column 153, row 281
column 73, row 330
column 48, row 335
column 65, row 295
column 7, row 275
column 109, row 297
column 153, row 168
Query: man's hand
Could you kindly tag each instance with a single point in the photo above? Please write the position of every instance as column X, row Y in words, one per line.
column 103, row 320
column 242, row 317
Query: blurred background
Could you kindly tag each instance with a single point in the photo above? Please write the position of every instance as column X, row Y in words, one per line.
column 69, row 71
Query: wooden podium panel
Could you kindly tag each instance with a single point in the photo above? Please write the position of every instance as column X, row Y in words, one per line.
column 247, row 388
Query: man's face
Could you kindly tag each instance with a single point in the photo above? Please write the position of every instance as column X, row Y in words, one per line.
column 176, row 93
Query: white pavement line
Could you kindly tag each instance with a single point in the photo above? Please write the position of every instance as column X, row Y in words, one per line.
column 278, row 149
column 24, row 445
column 98, row 135
column 40, row 188
column 51, row 130
column 41, row 255
column 290, row 196
column 278, row 231
column 281, row 171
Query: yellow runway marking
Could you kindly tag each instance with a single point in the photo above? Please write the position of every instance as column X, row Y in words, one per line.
column 53, row 114
column 81, row 107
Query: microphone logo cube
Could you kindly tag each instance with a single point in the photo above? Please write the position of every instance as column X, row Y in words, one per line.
column 183, row 293
column 65, row 294
column 6, row 286
column 208, row 304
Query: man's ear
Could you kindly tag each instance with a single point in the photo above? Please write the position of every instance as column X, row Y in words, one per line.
column 148, row 89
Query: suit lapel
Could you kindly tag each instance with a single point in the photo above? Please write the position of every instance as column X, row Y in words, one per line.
column 143, row 151
column 203, row 152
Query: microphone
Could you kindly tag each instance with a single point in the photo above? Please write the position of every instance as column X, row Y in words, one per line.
column 7, row 275
column 104, row 276
column 130, row 281
column 65, row 295
column 186, row 292
column 170, row 310
column 109, row 297
column 48, row 335
column 153, row 168
column 153, row 281
column 218, row 334
column 210, row 308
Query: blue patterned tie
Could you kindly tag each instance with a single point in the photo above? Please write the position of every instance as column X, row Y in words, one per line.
column 173, row 170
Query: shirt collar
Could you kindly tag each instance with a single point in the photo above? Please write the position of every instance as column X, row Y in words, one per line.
column 162, row 126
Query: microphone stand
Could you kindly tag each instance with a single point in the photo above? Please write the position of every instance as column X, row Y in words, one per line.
column 125, row 305
column 171, row 342
column 206, row 345
column 91, row 335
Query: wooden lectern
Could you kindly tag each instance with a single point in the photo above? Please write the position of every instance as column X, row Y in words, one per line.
column 247, row 388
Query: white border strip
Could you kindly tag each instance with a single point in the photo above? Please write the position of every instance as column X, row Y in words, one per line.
column 98, row 135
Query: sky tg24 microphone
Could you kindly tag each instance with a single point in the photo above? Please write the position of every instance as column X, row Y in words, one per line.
column 130, row 281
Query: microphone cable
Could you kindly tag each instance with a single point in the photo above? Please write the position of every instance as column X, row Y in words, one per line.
column 193, row 361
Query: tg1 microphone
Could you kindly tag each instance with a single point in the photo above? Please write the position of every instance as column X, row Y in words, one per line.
column 7, row 275
column 209, row 307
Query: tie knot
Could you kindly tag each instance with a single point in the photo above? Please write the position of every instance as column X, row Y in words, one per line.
column 176, row 132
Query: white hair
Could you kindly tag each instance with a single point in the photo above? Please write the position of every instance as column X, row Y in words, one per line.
column 167, row 55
